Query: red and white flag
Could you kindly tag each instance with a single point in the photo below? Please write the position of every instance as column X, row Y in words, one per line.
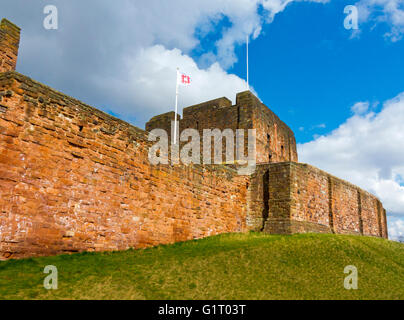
column 183, row 79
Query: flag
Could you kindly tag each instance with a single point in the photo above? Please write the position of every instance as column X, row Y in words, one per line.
column 183, row 79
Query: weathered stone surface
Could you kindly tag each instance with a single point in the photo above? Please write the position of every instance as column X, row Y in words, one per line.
column 293, row 197
column 65, row 188
column 9, row 43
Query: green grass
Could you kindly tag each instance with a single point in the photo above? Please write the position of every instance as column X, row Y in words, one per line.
column 232, row 266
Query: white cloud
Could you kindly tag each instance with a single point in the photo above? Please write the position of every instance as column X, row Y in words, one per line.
column 360, row 107
column 122, row 57
column 367, row 150
column 396, row 230
column 151, row 77
column 384, row 11
column 319, row 126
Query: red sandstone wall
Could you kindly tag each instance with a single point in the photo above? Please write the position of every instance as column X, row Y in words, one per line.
column 214, row 114
column 335, row 204
column 73, row 178
column 279, row 198
column 275, row 140
column 384, row 222
column 9, row 43
column 269, row 198
column 302, row 198
column 258, row 198
column 345, row 207
column 369, row 214
column 310, row 197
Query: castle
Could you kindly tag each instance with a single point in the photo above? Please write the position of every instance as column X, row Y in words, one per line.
column 73, row 178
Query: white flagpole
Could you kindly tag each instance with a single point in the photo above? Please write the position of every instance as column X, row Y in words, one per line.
column 176, row 108
column 248, row 86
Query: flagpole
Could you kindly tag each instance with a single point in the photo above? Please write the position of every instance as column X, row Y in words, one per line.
column 176, row 109
column 248, row 86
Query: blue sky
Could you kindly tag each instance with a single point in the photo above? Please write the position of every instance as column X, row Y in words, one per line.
column 341, row 91
column 306, row 68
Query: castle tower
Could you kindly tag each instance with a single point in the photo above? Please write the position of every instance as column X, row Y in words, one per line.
column 9, row 43
column 275, row 141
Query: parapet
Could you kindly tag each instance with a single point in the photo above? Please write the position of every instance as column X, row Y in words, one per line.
column 9, row 44
column 212, row 104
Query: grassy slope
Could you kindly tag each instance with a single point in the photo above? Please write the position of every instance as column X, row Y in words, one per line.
column 233, row 266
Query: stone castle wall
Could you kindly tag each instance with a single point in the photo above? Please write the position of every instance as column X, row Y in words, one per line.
column 294, row 197
column 9, row 43
column 73, row 178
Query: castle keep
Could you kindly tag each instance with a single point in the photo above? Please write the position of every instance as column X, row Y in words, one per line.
column 73, row 178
